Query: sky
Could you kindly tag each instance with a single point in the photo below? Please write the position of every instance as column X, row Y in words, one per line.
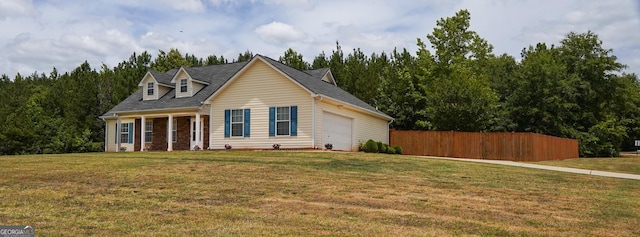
column 38, row 35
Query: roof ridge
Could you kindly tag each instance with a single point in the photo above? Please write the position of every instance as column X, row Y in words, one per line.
column 303, row 71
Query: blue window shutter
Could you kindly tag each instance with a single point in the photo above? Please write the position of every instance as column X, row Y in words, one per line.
column 272, row 121
column 294, row 121
column 227, row 123
column 131, row 133
column 247, row 120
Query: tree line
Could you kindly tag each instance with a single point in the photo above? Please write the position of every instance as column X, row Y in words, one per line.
column 576, row 89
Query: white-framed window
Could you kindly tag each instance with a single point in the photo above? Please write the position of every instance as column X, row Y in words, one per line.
column 183, row 85
column 283, row 120
column 150, row 88
column 174, row 130
column 148, row 131
column 124, row 133
column 237, row 123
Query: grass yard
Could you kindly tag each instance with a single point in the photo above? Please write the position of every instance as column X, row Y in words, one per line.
column 625, row 164
column 305, row 193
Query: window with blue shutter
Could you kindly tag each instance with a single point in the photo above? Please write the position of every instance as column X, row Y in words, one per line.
column 247, row 120
column 126, row 133
column 237, row 122
column 283, row 121
column 130, row 133
column 272, row 121
column 227, row 123
column 294, row 121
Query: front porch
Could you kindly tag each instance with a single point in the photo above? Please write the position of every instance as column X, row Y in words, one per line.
column 162, row 133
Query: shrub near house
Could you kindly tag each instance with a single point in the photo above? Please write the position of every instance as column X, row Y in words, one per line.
column 372, row 146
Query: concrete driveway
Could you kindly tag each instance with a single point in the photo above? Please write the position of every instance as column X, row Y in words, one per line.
column 545, row 167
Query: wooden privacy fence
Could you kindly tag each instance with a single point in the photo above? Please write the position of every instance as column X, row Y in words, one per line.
column 490, row 146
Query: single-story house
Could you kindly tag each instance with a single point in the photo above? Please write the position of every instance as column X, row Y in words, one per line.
column 248, row 105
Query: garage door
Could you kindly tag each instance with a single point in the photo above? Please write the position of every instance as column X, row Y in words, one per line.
column 336, row 130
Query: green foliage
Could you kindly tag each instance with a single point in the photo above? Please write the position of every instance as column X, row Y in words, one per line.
column 371, row 146
column 391, row 150
column 167, row 61
column 605, row 139
column 576, row 89
column 214, row 60
column 382, row 148
column 398, row 150
column 456, row 89
column 243, row 57
column 320, row 61
column 401, row 95
column 59, row 113
column 293, row 59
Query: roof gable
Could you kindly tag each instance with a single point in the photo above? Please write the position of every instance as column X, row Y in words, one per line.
column 146, row 77
column 323, row 88
column 323, row 74
column 247, row 67
column 175, row 78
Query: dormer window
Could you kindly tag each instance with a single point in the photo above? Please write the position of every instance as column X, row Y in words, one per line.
column 150, row 88
column 183, row 85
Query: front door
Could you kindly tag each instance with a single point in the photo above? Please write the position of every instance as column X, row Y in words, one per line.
column 194, row 142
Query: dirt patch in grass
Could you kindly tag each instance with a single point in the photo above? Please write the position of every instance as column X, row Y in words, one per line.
column 305, row 193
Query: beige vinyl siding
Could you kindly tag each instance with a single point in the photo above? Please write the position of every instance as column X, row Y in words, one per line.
column 328, row 78
column 162, row 90
column 370, row 127
column 111, row 135
column 196, row 87
column 258, row 88
column 145, row 82
column 365, row 126
column 182, row 75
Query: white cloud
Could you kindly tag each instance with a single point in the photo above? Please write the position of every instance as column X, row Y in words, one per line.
column 38, row 35
column 16, row 8
column 185, row 5
column 279, row 33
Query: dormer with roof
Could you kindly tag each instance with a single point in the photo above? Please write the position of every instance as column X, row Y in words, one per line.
column 249, row 105
column 324, row 74
column 188, row 81
column 154, row 85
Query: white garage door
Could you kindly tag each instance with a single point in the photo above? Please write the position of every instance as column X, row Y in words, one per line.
column 336, row 130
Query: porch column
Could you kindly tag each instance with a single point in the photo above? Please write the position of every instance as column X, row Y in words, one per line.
column 198, row 140
column 142, row 133
column 118, row 130
column 210, row 126
column 170, row 133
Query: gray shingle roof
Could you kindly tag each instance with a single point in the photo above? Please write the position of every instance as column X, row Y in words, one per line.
column 218, row 75
column 162, row 78
column 317, row 73
column 318, row 86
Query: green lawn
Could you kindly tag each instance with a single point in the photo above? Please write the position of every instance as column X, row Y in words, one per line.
column 305, row 193
column 627, row 164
